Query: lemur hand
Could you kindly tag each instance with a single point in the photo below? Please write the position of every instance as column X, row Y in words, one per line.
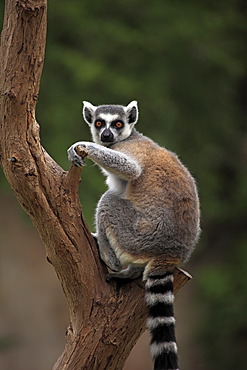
column 77, row 152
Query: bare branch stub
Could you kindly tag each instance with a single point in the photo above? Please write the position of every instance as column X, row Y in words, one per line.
column 81, row 151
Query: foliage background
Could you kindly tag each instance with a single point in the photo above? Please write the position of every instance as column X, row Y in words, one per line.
column 185, row 63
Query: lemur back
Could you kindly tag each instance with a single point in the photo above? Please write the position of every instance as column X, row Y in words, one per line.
column 148, row 220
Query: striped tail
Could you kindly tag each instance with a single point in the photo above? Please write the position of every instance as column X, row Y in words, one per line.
column 161, row 322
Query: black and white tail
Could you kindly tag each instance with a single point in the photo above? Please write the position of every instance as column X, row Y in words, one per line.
column 161, row 322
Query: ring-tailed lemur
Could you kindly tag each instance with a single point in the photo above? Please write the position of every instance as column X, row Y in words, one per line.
column 148, row 221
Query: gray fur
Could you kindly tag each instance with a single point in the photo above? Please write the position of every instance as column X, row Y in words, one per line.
column 151, row 211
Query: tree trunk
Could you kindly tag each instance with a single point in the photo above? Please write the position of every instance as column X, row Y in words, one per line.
column 106, row 319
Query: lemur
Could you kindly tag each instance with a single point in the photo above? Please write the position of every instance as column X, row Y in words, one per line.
column 147, row 222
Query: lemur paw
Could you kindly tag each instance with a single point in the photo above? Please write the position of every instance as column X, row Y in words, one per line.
column 73, row 154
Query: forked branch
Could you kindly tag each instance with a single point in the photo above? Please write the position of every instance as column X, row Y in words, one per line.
column 106, row 319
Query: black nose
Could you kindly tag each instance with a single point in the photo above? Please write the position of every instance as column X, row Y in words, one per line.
column 107, row 136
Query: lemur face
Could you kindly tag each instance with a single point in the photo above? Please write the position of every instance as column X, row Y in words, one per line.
column 110, row 123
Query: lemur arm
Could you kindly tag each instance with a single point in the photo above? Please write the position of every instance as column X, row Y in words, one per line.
column 111, row 160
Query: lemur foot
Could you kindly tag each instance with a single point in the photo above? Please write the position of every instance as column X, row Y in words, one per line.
column 131, row 272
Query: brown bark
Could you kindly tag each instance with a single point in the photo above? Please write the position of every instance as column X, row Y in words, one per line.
column 106, row 319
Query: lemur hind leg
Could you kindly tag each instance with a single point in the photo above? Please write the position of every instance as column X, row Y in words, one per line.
column 107, row 254
column 130, row 272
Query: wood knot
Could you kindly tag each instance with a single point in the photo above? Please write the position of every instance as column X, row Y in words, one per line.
column 13, row 159
column 30, row 172
column 69, row 331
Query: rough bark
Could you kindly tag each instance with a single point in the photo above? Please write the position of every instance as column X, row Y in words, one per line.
column 106, row 319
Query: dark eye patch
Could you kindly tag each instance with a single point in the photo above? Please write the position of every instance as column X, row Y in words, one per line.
column 118, row 124
column 99, row 123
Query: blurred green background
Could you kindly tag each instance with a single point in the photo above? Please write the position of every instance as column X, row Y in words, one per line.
column 185, row 64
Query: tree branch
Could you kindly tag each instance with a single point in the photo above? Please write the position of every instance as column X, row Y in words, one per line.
column 106, row 320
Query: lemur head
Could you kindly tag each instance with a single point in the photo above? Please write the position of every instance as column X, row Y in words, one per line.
column 110, row 123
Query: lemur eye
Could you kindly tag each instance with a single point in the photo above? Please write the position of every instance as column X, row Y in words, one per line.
column 119, row 124
column 98, row 124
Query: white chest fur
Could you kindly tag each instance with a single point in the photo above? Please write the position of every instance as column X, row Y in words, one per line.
column 115, row 184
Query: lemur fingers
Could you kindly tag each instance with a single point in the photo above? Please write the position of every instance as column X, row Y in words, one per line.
column 73, row 157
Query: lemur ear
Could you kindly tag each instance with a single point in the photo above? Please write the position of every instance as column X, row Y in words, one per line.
column 88, row 112
column 132, row 112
